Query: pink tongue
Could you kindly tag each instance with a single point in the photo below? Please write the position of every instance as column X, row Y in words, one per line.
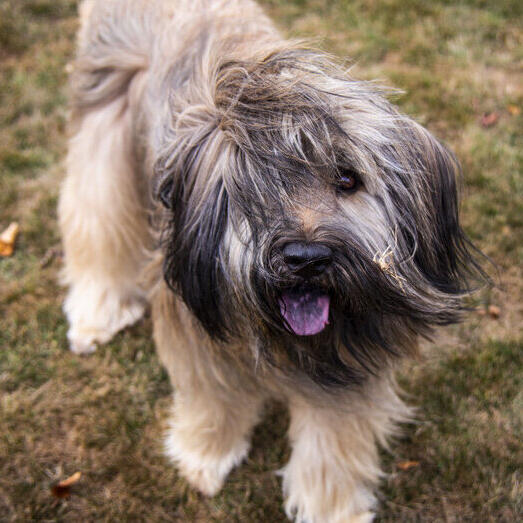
column 307, row 313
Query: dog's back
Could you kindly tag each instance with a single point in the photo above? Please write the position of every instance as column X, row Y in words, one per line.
column 120, row 38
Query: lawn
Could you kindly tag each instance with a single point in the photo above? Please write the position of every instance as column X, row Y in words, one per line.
column 458, row 67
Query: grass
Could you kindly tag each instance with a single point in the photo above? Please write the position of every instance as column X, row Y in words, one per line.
column 104, row 415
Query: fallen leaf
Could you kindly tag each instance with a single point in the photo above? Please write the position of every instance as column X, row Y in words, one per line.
column 514, row 110
column 406, row 465
column 489, row 119
column 8, row 238
column 494, row 311
column 62, row 489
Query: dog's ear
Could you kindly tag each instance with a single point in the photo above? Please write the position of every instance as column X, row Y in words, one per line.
column 427, row 200
column 194, row 193
column 193, row 262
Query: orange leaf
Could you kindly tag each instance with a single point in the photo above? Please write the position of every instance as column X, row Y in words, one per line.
column 514, row 110
column 62, row 489
column 8, row 238
column 406, row 465
column 489, row 119
column 494, row 311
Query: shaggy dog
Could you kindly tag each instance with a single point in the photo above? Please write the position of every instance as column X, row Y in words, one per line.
column 292, row 232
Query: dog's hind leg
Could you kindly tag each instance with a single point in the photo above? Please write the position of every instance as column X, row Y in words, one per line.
column 104, row 227
column 102, row 208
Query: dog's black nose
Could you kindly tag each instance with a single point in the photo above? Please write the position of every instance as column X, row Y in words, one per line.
column 307, row 259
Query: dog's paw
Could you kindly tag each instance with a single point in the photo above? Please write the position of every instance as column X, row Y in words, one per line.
column 80, row 343
column 319, row 495
column 203, row 471
column 92, row 329
column 127, row 315
column 364, row 517
column 299, row 515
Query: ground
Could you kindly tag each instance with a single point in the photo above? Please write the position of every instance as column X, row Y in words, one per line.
column 458, row 65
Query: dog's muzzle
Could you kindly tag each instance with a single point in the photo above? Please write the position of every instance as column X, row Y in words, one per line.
column 305, row 308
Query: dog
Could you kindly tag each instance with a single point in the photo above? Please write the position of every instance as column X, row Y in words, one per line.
column 293, row 233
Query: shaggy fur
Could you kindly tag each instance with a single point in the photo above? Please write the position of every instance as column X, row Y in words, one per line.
column 204, row 149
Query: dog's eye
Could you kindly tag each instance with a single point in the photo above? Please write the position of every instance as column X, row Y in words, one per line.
column 165, row 194
column 348, row 181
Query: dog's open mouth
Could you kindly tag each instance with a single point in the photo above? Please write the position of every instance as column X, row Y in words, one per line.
column 306, row 311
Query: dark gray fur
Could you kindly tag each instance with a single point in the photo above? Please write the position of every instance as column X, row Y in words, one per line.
column 281, row 129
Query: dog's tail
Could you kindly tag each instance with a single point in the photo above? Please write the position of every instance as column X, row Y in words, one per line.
column 113, row 46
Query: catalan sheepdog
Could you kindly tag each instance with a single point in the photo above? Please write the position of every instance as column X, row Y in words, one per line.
column 292, row 232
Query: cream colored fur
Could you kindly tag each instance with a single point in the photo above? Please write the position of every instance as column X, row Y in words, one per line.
column 103, row 229
column 334, row 463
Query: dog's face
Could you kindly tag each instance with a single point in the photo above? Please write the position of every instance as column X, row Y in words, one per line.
column 306, row 212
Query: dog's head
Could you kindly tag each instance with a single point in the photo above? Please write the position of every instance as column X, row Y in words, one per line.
column 305, row 211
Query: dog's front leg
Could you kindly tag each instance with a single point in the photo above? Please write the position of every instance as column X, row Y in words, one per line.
column 215, row 404
column 334, row 467
column 209, row 435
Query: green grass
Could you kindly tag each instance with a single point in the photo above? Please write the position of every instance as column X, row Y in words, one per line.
column 104, row 415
